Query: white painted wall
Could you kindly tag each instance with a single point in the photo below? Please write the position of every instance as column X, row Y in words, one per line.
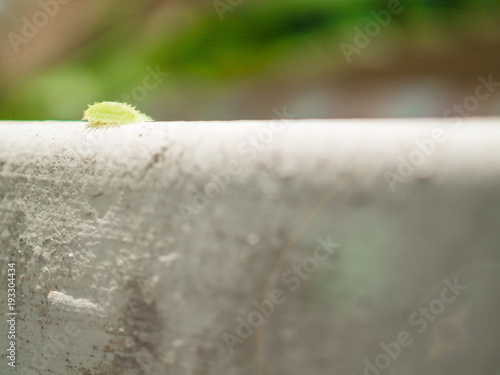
column 140, row 249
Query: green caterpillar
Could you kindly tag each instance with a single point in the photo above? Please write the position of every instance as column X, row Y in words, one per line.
column 113, row 113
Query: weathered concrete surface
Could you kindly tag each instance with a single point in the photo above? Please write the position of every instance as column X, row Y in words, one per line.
column 125, row 266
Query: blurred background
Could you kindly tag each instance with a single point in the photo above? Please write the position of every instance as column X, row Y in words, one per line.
column 242, row 59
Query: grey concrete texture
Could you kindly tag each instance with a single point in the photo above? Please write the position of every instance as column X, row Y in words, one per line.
column 252, row 247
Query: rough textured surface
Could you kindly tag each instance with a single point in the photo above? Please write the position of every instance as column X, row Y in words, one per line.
column 157, row 240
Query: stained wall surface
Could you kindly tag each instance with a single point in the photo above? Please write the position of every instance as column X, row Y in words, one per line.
column 252, row 247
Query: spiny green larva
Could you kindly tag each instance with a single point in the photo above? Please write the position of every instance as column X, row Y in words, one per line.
column 113, row 113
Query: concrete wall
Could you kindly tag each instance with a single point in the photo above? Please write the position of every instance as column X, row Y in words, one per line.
column 369, row 246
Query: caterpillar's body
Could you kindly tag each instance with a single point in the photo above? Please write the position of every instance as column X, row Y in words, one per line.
column 113, row 113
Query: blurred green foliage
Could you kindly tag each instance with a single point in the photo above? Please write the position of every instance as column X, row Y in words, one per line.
column 261, row 47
